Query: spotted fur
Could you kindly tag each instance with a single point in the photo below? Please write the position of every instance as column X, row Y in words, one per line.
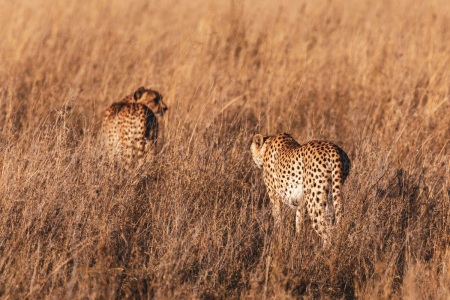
column 130, row 126
column 308, row 176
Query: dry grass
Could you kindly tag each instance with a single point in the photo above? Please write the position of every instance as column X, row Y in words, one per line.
column 373, row 76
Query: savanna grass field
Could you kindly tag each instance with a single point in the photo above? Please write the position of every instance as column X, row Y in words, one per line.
column 196, row 223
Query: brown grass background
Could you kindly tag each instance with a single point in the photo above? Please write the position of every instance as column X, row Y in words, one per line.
column 372, row 76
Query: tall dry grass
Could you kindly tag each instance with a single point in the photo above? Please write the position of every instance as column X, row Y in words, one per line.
column 373, row 76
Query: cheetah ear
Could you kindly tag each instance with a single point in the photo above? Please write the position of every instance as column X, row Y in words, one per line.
column 258, row 139
column 138, row 93
column 158, row 97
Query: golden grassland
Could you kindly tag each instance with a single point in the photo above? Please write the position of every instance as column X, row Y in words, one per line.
column 372, row 76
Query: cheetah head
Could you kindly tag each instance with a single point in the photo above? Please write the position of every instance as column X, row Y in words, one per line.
column 258, row 149
column 152, row 99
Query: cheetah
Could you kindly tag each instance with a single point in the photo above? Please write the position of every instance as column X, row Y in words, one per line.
column 302, row 176
column 130, row 126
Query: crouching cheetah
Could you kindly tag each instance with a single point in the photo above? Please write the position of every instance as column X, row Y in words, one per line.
column 302, row 176
column 130, row 126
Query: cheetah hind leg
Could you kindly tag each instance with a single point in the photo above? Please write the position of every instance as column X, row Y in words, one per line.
column 329, row 211
column 316, row 213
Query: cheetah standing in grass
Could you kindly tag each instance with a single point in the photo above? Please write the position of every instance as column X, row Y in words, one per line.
column 302, row 176
column 130, row 126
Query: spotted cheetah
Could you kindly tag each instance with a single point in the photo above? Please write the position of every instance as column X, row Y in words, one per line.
column 302, row 177
column 130, row 126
